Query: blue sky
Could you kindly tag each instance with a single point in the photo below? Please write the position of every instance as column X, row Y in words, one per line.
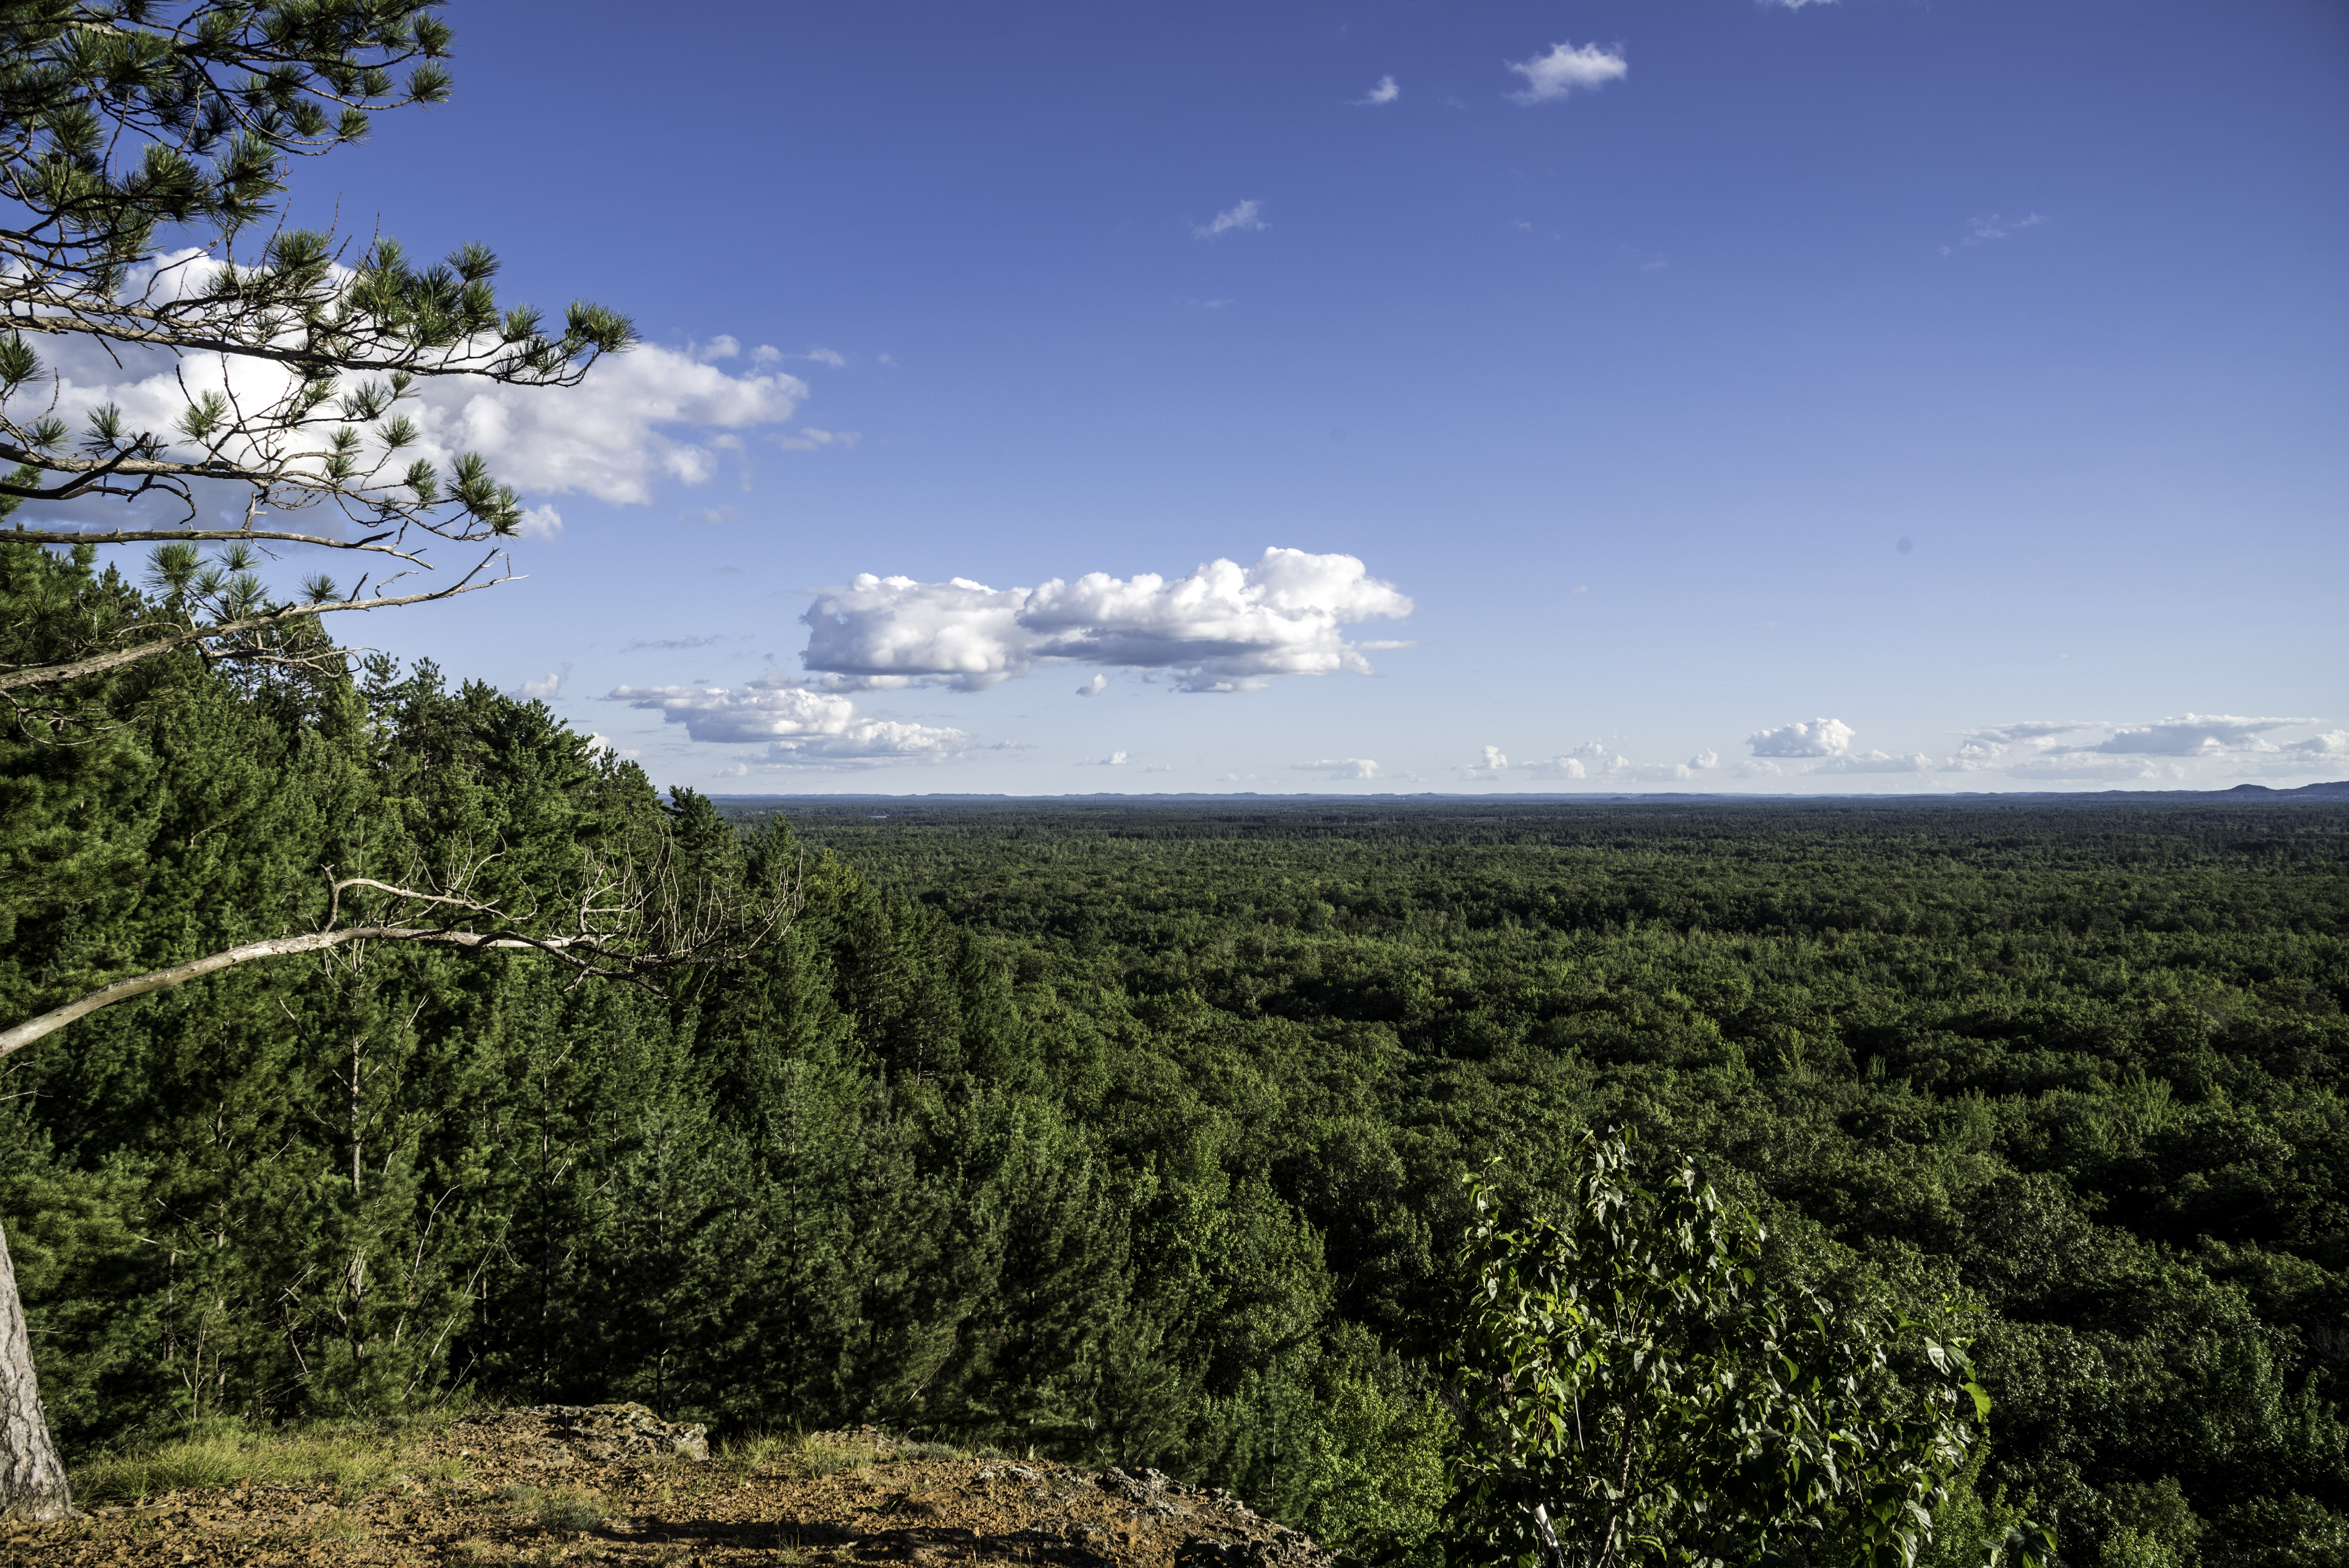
column 1869, row 395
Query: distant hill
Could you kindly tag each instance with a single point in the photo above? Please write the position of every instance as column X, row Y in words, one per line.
column 2338, row 789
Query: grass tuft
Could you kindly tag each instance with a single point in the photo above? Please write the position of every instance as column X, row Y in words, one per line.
column 929, row 1451
column 822, row 1459
column 742, row 1456
column 567, row 1513
column 355, row 1456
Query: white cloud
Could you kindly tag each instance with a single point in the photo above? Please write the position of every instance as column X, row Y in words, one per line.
column 1564, row 68
column 830, row 357
column 1876, row 762
column 2080, row 767
column 1796, row 5
column 1587, row 760
column 1114, row 760
column 801, row 727
column 1094, row 687
column 2035, row 732
column 1385, row 92
column 1493, row 767
column 652, row 414
column 612, row 436
column 2328, row 746
column 811, row 439
column 1222, row 628
column 672, row 645
column 2196, row 734
column 1249, row 214
column 1705, row 759
column 540, row 523
column 1336, row 767
column 543, row 690
column 1817, row 738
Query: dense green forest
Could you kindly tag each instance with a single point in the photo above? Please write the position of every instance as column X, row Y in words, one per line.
column 1139, row 1132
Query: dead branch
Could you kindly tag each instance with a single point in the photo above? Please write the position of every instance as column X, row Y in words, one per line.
column 47, row 675
column 628, row 922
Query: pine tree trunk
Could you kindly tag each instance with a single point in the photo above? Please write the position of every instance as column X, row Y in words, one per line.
column 31, row 1478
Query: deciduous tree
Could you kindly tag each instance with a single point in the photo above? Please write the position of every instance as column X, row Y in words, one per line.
column 1636, row 1389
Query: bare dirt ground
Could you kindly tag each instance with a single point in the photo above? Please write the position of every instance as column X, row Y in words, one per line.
column 612, row 1484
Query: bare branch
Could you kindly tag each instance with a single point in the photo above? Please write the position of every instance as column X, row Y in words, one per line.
column 48, row 674
column 57, row 1018
column 628, row 923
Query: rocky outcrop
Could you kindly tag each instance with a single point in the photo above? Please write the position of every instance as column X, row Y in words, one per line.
column 565, row 1435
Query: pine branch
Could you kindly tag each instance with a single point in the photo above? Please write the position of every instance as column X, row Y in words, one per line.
column 49, row 674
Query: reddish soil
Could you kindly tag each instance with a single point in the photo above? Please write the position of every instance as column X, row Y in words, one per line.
column 497, row 1474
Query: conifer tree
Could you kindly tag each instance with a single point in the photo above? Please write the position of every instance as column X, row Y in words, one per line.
column 143, row 151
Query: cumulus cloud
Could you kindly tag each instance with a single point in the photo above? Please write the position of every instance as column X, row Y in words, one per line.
column 1335, row 766
column 1876, row 762
column 1385, row 92
column 1591, row 760
column 800, row 727
column 1249, row 214
column 1705, row 759
column 650, row 415
column 1493, row 765
column 1564, row 68
column 1094, row 687
column 543, row 690
column 1816, row 738
column 1222, row 628
column 1114, row 760
column 2328, row 746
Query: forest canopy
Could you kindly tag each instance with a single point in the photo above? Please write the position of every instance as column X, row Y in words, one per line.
column 1138, row 1134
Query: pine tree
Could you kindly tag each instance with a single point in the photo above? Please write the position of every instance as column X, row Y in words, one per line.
column 142, row 149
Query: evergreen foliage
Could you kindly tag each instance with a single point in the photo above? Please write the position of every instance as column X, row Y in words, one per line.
column 1139, row 1134
column 143, row 144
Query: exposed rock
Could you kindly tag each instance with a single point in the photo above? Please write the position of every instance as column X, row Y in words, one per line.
column 599, row 1434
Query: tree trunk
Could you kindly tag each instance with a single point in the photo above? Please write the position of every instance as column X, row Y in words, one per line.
column 31, row 1478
